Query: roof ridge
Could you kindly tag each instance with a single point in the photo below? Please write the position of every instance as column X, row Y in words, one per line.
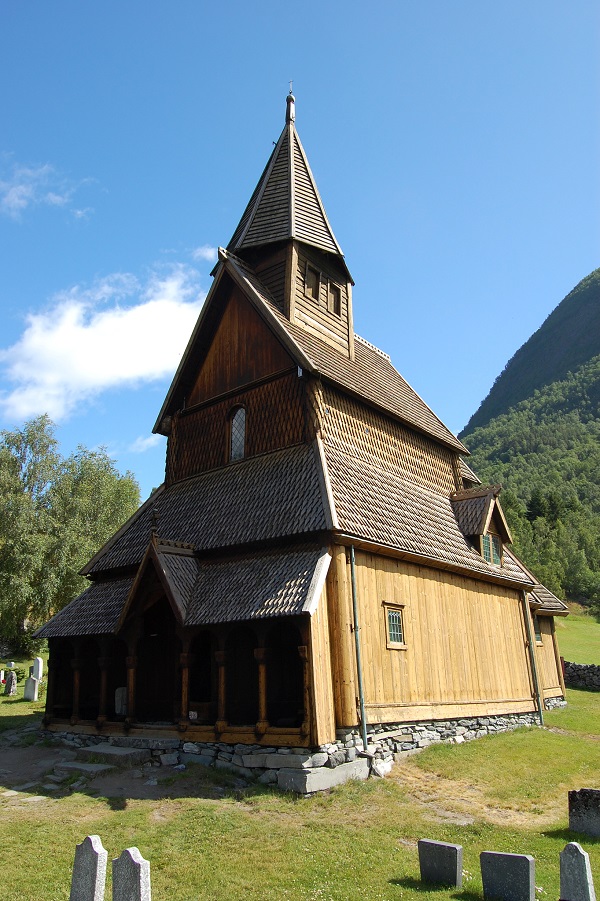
column 372, row 347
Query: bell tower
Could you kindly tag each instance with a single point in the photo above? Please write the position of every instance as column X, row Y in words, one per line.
column 284, row 235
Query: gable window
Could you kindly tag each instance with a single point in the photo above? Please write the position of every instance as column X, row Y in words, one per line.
column 334, row 299
column 312, row 283
column 237, row 434
column 394, row 625
column 491, row 548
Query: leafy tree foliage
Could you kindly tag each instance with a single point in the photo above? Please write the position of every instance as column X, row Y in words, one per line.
column 55, row 513
column 545, row 452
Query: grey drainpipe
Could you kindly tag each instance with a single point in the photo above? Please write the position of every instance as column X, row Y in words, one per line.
column 536, row 684
column 356, row 629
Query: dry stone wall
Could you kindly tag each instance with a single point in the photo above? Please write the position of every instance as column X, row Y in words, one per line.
column 582, row 675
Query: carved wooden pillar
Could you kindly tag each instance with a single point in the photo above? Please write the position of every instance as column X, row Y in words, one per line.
column 261, row 657
column 50, row 691
column 184, row 662
column 131, row 672
column 221, row 724
column 76, row 666
column 303, row 652
column 104, row 664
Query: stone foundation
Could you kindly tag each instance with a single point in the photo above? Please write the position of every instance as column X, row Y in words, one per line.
column 582, row 675
column 553, row 703
column 307, row 770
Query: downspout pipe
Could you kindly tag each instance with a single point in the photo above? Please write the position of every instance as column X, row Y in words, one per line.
column 356, row 629
column 536, row 683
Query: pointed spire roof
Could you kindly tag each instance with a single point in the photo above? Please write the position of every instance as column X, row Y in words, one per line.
column 286, row 202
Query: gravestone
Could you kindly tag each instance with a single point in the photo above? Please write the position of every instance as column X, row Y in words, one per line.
column 1, row 676
column 507, row 877
column 584, row 812
column 31, row 689
column 10, row 688
column 131, row 877
column 440, row 863
column 121, row 702
column 89, row 870
column 576, row 883
column 38, row 668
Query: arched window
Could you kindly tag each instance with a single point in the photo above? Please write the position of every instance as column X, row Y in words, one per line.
column 237, row 434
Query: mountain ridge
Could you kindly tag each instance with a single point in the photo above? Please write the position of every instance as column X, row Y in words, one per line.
column 567, row 339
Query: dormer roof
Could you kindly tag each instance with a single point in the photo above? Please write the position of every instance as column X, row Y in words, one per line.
column 475, row 508
column 286, row 203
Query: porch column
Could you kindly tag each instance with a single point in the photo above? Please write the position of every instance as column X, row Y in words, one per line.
column 184, row 662
column 76, row 666
column 303, row 653
column 221, row 724
column 131, row 671
column 104, row 664
column 261, row 656
column 50, row 686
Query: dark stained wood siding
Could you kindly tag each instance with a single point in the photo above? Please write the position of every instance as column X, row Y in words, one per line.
column 315, row 317
column 242, row 351
column 275, row 419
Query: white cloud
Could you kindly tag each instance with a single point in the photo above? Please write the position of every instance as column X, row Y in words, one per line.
column 141, row 444
column 116, row 333
column 206, row 253
column 24, row 186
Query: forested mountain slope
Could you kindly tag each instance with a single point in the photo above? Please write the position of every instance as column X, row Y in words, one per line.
column 569, row 338
column 545, row 451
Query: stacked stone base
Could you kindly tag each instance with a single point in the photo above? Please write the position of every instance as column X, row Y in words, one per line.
column 306, row 770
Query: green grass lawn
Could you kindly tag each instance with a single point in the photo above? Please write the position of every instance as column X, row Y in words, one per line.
column 579, row 637
column 359, row 841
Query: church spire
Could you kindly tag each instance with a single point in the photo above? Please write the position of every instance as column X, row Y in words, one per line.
column 286, row 203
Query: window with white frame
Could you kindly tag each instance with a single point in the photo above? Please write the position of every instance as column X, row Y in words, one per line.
column 394, row 625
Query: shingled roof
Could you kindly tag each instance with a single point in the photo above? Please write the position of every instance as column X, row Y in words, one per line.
column 376, row 503
column 286, row 202
column 260, row 585
column 273, row 496
column 94, row 612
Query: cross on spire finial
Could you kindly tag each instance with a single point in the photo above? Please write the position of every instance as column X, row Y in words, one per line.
column 290, row 113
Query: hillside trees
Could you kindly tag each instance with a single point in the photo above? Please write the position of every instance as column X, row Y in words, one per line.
column 55, row 513
column 545, row 452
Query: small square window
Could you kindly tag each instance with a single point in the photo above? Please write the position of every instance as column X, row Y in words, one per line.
column 312, row 283
column 334, row 299
column 394, row 625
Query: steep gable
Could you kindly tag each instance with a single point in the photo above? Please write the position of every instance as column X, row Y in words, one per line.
column 243, row 350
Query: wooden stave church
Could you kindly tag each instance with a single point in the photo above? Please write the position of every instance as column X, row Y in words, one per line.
column 310, row 497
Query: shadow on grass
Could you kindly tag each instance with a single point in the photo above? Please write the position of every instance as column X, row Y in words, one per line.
column 427, row 888
column 568, row 835
column 10, row 721
column 116, row 788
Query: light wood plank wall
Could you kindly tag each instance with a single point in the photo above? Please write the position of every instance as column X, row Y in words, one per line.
column 323, row 720
column 465, row 640
column 548, row 673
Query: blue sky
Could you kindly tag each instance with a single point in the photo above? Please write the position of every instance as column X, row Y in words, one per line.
column 455, row 145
